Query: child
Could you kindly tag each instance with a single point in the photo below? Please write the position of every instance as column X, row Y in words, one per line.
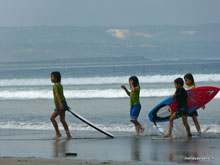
column 135, row 103
column 181, row 97
column 61, row 105
column 189, row 80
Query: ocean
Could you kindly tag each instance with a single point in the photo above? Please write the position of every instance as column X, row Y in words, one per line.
column 92, row 89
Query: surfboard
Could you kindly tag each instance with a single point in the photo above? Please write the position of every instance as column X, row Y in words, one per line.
column 196, row 98
column 90, row 124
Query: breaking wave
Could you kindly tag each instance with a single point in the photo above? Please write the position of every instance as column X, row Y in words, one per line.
column 106, row 80
column 74, row 94
column 77, row 94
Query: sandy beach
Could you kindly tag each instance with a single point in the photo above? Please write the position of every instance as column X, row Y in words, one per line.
column 83, row 55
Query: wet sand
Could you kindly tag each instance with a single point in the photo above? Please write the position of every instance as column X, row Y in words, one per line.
column 41, row 161
column 39, row 149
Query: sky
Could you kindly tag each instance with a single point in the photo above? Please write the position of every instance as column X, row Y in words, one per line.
column 108, row 12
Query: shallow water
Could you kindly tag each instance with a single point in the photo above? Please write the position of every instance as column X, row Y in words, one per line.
column 109, row 114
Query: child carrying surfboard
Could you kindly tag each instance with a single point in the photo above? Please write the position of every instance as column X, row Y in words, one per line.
column 60, row 104
column 181, row 97
column 189, row 80
column 135, row 109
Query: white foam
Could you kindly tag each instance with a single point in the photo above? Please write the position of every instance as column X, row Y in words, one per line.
column 26, row 94
column 76, row 94
column 106, row 80
column 74, row 127
column 73, row 94
column 149, row 129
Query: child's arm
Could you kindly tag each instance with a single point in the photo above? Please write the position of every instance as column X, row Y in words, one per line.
column 123, row 87
column 174, row 96
column 132, row 86
column 59, row 100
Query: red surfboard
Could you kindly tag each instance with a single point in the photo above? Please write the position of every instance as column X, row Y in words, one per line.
column 196, row 98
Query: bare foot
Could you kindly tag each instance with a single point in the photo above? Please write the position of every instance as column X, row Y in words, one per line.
column 166, row 136
column 137, row 131
column 56, row 137
column 69, row 137
column 141, row 130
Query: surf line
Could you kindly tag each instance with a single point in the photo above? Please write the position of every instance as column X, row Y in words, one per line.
column 90, row 124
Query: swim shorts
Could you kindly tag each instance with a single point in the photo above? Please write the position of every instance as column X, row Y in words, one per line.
column 65, row 106
column 135, row 111
column 181, row 112
column 194, row 113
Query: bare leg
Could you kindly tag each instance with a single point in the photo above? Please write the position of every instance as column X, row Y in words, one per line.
column 185, row 123
column 170, row 126
column 63, row 121
column 52, row 118
column 195, row 120
column 138, row 126
column 136, row 123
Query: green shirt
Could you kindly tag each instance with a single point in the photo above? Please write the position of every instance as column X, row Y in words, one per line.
column 134, row 96
column 58, row 88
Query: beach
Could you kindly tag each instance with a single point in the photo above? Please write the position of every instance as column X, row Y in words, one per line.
column 117, row 69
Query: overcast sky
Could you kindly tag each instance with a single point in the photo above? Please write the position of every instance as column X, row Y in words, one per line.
column 108, row 12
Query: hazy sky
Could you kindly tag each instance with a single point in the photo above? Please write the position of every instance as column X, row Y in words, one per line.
column 108, row 12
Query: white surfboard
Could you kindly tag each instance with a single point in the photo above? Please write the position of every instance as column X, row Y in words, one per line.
column 90, row 124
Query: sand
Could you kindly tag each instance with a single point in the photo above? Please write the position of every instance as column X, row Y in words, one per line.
column 39, row 149
column 40, row 161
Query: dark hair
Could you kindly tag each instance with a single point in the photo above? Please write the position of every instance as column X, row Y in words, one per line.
column 135, row 80
column 179, row 81
column 57, row 75
column 190, row 77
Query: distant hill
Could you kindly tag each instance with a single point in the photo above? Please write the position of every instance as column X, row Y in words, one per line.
column 152, row 42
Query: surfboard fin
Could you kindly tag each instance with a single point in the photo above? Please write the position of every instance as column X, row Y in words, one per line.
column 158, row 128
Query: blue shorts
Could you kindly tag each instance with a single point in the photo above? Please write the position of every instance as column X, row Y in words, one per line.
column 65, row 106
column 135, row 111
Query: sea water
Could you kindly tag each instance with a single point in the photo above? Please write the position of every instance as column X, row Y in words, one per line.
column 92, row 89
